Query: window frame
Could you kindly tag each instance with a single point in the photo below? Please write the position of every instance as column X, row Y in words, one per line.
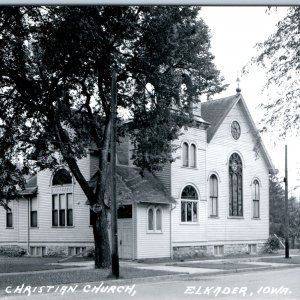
column 154, row 210
column 193, row 200
column 213, row 197
column 185, row 154
column 9, row 215
column 33, row 212
column 189, row 150
column 235, row 172
column 256, row 198
column 62, row 203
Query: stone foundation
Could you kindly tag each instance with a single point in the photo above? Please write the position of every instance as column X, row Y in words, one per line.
column 210, row 250
column 189, row 251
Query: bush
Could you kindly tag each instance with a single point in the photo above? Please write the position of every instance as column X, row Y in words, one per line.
column 272, row 245
column 90, row 253
column 12, row 251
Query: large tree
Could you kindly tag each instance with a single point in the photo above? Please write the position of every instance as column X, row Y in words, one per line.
column 279, row 55
column 55, row 87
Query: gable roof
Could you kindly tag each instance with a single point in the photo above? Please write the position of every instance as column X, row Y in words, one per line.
column 215, row 111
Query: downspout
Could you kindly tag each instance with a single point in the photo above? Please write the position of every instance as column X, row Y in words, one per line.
column 28, row 225
column 171, row 242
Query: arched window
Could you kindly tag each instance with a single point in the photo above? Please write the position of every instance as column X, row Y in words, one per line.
column 150, row 219
column 185, row 154
column 62, row 199
column 192, row 156
column 235, row 186
column 189, row 204
column 154, row 215
column 256, row 198
column 62, row 176
column 158, row 219
column 213, row 195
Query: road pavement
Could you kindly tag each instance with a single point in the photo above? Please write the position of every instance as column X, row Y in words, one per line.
column 267, row 284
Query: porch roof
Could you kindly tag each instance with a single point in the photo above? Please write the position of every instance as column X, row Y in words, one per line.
column 132, row 187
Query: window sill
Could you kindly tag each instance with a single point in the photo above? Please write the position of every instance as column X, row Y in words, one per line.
column 189, row 223
column 190, row 168
column 237, row 218
column 258, row 219
column 214, row 217
column 9, row 227
column 154, row 232
column 34, row 227
column 62, row 226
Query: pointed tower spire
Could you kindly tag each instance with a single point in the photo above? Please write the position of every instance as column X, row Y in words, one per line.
column 238, row 90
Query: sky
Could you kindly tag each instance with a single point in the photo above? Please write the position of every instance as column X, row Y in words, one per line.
column 235, row 31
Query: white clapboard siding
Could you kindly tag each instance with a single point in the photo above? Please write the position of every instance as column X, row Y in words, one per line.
column 164, row 176
column 9, row 235
column 218, row 152
column 153, row 245
column 80, row 231
column 189, row 233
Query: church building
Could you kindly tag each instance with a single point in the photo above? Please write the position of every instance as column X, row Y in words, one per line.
column 212, row 200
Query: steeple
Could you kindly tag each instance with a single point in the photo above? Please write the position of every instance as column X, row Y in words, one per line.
column 238, row 90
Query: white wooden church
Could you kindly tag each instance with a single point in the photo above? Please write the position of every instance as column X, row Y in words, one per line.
column 212, row 200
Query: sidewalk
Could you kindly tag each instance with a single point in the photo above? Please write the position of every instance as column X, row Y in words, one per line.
column 205, row 267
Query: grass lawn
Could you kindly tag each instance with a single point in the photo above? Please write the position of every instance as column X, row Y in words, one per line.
column 58, row 277
column 282, row 260
column 26, row 264
column 74, row 276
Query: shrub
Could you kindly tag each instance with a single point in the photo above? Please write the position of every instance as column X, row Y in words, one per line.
column 12, row 251
column 272, row 245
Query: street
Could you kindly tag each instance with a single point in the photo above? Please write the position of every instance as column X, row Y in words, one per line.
column 273, row 284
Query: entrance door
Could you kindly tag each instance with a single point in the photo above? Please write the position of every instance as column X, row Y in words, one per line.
column 125, row 238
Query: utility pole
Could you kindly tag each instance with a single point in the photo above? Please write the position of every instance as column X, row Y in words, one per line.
column 114, row 217
column 286, row 219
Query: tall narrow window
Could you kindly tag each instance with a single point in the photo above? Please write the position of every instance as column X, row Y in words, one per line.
column 150, row 219
column 69, row 210
column 192, row 156
column 9, row 215
column 158, row 219
column 213, row 194
column 54, row 210
column 62, row 199
column 185, row 154
column 33, row 212
column 235, row 186
column 256, row 198
column 189, row 204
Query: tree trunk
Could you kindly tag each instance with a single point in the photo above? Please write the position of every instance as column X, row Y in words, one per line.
column 102, row 247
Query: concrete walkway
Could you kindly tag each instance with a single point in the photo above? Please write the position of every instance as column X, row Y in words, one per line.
column 210, row 265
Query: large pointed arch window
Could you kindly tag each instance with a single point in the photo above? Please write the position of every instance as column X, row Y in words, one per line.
column 235, row 186
column 189, row 204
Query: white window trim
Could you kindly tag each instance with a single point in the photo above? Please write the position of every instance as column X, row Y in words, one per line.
column 10, row 204
column 209, row 196
column 252, row 194
column 189, row 144
column 154, row 208
column 189, row 222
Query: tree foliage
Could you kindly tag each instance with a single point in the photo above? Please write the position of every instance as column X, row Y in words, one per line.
column 277, row 211
column 55, row 87
column 280, row 56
